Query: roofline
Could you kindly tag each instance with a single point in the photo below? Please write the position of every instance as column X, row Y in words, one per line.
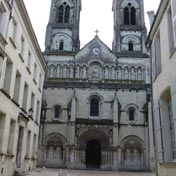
column 96, row 37
column 158, row 17
column 29, row 28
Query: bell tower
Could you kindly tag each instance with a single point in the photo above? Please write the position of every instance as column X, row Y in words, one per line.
column 62, row 33
column 129, row 27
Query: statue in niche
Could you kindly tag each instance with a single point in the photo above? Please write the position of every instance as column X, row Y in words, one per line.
column 126, row 74
column 95, row 71
column 71, row 72
column 133, row 77
column 51, row 71
column 77, row 71
column 58, row 71
column 113, row 73
column 119, row 73
column 139, row 73
column 64, row 72
column 106, row 73
column 84, row 72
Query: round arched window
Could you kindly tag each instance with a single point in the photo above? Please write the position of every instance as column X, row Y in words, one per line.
column 94, row 107
column 131, row 114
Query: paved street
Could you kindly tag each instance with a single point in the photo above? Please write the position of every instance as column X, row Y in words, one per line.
column 55, row 172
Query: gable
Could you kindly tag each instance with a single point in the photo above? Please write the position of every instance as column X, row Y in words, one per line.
column 95, row 50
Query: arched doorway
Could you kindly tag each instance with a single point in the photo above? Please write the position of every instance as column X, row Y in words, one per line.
column 93, row 154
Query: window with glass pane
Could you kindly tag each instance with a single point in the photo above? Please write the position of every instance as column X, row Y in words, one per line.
column 131, row 114
column 171, row 129
column 94, row 107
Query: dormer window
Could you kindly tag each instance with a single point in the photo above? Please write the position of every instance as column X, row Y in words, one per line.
column 64, row 13
column 129, row 15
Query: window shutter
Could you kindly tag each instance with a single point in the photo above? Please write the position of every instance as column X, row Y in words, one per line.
column 158, row 132
column 153, row 61
column 174, row 18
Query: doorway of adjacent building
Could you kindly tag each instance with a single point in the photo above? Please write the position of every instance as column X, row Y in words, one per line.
column 93, row 154
column 19, row 147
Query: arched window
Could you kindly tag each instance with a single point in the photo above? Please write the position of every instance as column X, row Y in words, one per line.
column 64, row 13
column 126, row 16
column 131, row 112
column 129, row 15
column 57, row 109
column 60, row 14
column 133, row 16
column 61, row 45
column 130, row 46
column 94, row 107
column 67, row 14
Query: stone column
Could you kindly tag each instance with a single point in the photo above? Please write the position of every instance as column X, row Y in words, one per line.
column 83, row 159
column 144, row 159
column 173, row 95
column 115, row 159
column 67, row 156
column 115, row 121
column 64, row 157
column 72, row 157
column 119, row 157
column 73, row 109
column 115, row 135
column 72, row 133
column 115, row 110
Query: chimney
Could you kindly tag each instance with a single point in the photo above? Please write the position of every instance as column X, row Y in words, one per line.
column 151, row 15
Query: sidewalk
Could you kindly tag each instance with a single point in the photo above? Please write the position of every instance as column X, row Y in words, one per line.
column 55, row 172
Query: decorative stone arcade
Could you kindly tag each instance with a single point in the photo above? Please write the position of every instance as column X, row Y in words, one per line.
column 94, row 151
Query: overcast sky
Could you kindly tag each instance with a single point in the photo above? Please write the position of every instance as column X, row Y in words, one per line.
column 95, row 14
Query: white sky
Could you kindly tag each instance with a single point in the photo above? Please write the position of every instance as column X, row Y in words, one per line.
column 95, row 14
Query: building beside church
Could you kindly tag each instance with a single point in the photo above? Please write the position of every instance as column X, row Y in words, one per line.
column 96, row 102
column 22, row 72
column 162, row 42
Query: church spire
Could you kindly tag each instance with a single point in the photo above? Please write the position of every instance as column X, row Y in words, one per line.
column 62, row 32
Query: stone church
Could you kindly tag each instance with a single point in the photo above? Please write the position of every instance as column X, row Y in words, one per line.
column 95, row 111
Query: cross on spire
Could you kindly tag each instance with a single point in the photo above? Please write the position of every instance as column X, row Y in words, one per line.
column 96, row 32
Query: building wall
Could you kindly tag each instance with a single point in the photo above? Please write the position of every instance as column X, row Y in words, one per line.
column 22, row 72
column 126, row 128
column 163, row 74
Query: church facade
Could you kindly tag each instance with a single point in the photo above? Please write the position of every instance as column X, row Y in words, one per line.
column 96, row 102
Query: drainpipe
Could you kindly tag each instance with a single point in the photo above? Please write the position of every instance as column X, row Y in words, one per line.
column 152, row 112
